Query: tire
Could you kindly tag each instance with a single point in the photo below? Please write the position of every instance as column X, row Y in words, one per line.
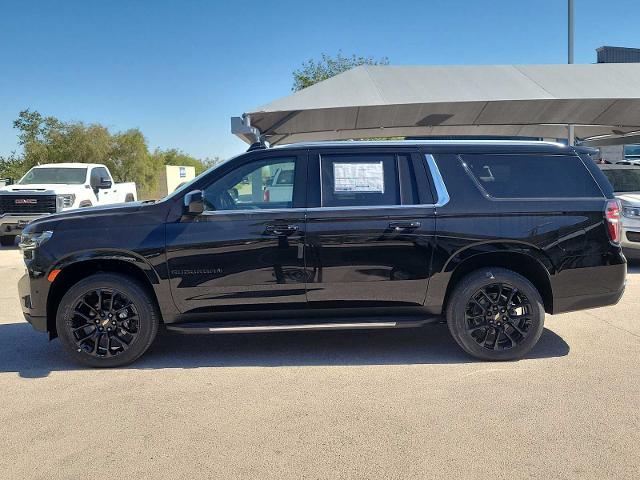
column 136, row 324
column 484, row 325
column 128, row 198
column 8, row 240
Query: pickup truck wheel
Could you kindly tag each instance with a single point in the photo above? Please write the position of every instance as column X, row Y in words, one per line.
column 495, row 314
column 8, row 240
column 107, row 320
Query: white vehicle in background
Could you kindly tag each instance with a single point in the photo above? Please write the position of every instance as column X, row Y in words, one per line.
column 280, row 187
column 625, row 180
column 57, row 187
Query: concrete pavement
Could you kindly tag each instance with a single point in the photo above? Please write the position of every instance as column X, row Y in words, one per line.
column 379, row 404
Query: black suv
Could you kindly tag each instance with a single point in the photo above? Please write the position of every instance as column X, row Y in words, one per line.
column 488, row 235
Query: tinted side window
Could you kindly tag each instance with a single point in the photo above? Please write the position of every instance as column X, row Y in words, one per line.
column 531, row 176
column 359, row 180
column 252, row 186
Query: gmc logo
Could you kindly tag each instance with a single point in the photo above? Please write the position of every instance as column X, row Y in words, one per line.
column 26, row 201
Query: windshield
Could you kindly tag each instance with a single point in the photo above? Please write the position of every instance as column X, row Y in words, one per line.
column 62, row 175
column 624, row 179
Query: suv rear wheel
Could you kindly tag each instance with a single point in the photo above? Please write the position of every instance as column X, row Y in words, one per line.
column 495, row 314
column 107, row 320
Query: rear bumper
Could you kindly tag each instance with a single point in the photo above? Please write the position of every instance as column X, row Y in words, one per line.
column 584, row 302
column 598, row 281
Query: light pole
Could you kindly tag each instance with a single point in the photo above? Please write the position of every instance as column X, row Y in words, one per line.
column 571, row 135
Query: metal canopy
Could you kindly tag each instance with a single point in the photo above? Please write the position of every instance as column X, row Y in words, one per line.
column 510, row 100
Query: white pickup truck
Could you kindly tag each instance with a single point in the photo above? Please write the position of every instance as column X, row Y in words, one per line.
column 57, row 187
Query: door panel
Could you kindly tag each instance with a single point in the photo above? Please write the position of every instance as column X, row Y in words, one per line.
column 357, row 257
column 361, row 251
column 237, row 261
column 247, row 249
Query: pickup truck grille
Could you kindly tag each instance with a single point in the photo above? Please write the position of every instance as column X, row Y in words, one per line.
column 27, row 204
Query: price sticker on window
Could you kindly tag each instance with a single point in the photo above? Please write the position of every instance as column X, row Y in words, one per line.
column 358, row 177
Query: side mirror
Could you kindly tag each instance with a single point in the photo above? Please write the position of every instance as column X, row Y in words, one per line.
column 103, row 182
column 194, row 203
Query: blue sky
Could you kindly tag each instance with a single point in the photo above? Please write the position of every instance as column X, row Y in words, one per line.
column 179, row 69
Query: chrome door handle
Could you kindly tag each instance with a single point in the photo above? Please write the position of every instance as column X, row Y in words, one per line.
column 398, row 226
column 279, row 230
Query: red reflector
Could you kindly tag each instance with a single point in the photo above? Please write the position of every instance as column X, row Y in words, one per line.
column 266, row 195
column 612, row 215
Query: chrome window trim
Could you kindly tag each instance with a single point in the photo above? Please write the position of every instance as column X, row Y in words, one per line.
column 367, row 207
column 253, row 211
column 438, row 182
column 436, row 176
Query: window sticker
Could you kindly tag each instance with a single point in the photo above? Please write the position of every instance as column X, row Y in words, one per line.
column 358, row 177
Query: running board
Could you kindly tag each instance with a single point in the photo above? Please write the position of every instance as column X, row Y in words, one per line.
column 244, row 327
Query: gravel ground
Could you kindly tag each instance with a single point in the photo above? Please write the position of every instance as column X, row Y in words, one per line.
column 379, row 404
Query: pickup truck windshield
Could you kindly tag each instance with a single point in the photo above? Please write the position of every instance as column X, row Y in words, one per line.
column 624, row 179
column 69, row 176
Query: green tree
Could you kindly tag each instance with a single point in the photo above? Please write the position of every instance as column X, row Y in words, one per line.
column 126, row 154
column 314, row 71
column 12, row 167
column 130, row 161
column 49, row 140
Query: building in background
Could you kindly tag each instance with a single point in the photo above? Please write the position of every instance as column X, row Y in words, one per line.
column 170, row 178
column 607, row 54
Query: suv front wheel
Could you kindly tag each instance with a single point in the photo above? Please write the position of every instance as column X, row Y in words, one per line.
column 107, row 320
column 495, row 314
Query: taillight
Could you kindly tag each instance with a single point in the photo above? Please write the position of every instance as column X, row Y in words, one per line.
column 612, row 215
column 265, row 196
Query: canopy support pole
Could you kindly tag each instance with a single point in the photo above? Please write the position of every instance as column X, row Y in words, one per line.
column 571, row 137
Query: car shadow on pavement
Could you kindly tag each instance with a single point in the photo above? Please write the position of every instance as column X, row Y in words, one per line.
column 28, row 353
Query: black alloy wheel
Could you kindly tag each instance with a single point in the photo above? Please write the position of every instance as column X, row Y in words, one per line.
column 498, row 316
column 104, row 322
column 495, row 314
column 107, row 320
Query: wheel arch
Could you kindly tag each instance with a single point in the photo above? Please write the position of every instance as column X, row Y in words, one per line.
column 73, row 271
column 522, row 263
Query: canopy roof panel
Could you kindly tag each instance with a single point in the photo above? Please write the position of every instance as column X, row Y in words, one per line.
column 519, row 100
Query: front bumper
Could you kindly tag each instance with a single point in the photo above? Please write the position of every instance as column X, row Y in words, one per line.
column 12, row 224
column 33, row 296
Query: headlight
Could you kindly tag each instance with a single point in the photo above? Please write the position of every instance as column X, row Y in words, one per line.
column 632, row 212
column 66, row 200
column 31, row 241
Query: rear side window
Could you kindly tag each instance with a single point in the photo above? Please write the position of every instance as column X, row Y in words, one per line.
column 531, row 176
column 359, row 180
